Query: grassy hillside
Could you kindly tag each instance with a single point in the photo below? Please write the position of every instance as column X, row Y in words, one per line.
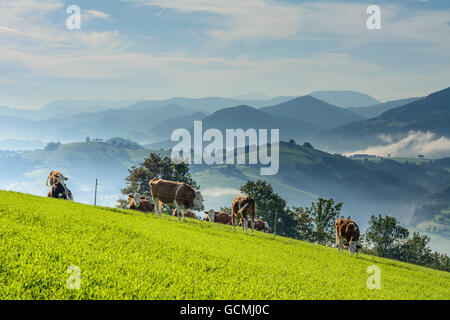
column 130, row 255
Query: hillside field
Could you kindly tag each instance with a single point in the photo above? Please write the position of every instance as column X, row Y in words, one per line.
column 130, row 255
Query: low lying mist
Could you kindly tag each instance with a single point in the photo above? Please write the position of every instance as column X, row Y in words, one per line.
column 415, row 143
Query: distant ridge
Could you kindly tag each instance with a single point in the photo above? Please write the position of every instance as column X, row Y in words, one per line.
column 429, row 114
column 345, row 99
column 378, row 109
column 312, row 110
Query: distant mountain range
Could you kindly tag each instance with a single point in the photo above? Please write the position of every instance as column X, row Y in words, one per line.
column 378, row 109
column 345, row 99
column 64, row 108
column 246, row 117
column 105, row 124
column 429, row 114
column 206, row 105
column 305, row 118
column 312, row 110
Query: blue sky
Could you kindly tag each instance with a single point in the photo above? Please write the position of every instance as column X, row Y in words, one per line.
column 154, row 49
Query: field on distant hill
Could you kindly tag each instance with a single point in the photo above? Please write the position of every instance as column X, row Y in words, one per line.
column 129, row 255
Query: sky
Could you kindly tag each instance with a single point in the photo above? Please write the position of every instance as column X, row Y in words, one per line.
column 157, row 49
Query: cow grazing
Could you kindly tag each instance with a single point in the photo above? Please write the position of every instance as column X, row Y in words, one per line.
column 260, row 225
column 54, row 177
column 218, row 217
column 138, row 202
column 179, row 194
column 242, row 207
column 58, row 191
column 58, row 179
column 347, row 230
column 188, row 214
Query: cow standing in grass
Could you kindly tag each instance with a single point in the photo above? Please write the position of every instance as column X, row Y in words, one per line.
column 218, row 217
column 178, row 194
column 138, row 202
column 347, row 230
column 59, row 190
column 188, row 214
column 260, row 225
column 243, row 207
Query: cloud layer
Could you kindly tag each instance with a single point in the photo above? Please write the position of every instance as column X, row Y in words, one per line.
column 415, row 143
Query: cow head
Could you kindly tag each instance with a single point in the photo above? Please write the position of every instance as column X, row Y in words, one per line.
column 137, row 199
column 351, row 227
column 210, row 215
column 198, row 201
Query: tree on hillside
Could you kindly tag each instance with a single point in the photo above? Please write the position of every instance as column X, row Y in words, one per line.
column 389, row 239
column 267, row 204
column 155, row 166
column 416, row 250
column 316, row 223
column 386, row 236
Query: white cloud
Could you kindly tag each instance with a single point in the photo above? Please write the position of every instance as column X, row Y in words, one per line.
column 25, row 25
column 238, row 19
column 219, row 192
column 415, row 143
column 95, row 14
column 253, row 20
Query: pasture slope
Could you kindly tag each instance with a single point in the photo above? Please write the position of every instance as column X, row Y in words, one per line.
column 131, row 255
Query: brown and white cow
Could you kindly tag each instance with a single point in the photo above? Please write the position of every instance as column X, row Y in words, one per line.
column 218, row 217
column 188, row 214
column 54, row 177
column 179, row 194
column 347, row 230
column 242, row 207
column 138, row 202
column 56, row 180
column 260, row 225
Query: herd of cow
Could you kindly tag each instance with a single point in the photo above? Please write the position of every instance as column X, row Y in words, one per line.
column 184, row 198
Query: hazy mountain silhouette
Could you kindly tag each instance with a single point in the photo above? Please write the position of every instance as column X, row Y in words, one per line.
column 207, row 104
column 314, row 111
column 246, row 117
column 378, row 109
column 164, row 129
column 431, row 113
column 345, row 99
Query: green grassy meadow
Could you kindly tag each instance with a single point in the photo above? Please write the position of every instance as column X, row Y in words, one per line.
column 130, row 255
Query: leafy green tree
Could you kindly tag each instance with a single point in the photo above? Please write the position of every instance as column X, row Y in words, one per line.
column 155, row 166
column 316, row 223
column 386, row 236
column 416, row 250
column 267, row 204
column 305, row 224
column 389, row 239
